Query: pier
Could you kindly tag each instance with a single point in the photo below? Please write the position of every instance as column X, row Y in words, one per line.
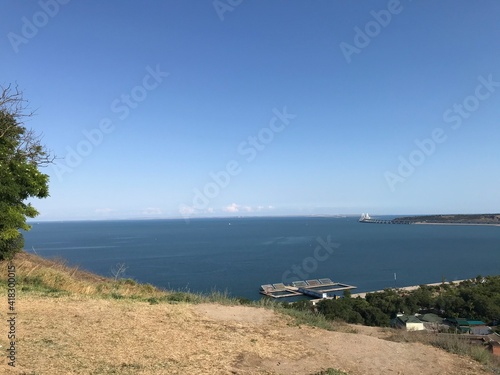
column 316, row 288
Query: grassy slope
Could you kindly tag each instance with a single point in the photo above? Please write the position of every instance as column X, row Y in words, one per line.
column 71, row 321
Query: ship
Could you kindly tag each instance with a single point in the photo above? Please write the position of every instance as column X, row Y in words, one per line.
column 365, row 217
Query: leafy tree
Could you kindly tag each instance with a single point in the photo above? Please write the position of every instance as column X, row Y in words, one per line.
column 353, row 310
column 340, row 309
column 423, row 297
column 388, row 301
column 21, row 155
column 372, row 316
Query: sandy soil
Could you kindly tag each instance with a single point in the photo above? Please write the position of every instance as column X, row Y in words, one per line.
column 78, row 335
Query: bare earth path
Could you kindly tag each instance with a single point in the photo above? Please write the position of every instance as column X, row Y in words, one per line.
column 76, row 335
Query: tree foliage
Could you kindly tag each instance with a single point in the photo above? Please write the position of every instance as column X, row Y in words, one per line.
column 353, row 310
column 21, row 155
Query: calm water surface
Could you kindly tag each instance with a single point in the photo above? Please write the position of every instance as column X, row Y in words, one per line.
column 239, row 254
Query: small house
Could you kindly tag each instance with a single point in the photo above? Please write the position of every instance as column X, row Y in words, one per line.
column 431, row 321
column 469, row 326
column 480, row 330
column 408, row 322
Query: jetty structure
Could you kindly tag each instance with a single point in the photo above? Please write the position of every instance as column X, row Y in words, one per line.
column 317, row 288
column 365, row 218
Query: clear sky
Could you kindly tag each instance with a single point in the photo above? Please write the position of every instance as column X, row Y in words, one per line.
column 160, row 109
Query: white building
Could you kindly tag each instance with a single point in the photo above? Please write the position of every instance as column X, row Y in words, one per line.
column 408, row 322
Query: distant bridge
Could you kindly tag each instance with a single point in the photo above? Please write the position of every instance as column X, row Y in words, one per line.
column 365, row 218
column 380, row 221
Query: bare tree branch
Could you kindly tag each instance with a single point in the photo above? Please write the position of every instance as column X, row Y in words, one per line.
column 12, row 102
column 118, row 271
column 13, row 109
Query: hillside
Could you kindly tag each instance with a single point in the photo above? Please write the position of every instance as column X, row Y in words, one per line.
column 73, row 322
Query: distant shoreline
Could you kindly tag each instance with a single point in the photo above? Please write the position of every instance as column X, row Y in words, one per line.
column 480, row 224
column 408, row 288
column 462, row 219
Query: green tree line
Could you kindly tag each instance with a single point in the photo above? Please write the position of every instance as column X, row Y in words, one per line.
column 475, row 299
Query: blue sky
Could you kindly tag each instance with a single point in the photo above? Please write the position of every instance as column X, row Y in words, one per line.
column 160, row 109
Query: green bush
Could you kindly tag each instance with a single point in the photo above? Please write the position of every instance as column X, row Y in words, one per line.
column 244, row 301
column 331, row 371
column 179, row 297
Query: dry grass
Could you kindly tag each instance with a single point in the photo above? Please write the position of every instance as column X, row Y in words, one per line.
column 42, row 276
column 82, row 335
column 453, row 343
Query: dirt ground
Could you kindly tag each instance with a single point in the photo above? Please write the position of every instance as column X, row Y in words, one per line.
column 78, row 335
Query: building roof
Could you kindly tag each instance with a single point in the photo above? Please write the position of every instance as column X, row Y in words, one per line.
column 431, row 318
column 409, row 319
column 476, row 323
column 459, row 321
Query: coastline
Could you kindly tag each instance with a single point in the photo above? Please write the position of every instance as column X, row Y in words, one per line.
column 453, row 219
column 407, row 288
column 480, row 224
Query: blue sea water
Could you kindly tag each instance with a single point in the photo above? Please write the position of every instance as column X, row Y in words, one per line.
column 238, row 255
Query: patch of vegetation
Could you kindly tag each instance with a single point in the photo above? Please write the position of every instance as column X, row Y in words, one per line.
column 353, row 310
column 453, row 343
column 153, row 301
column 476, row 299
column 303, row 312
column 35, row 275
column 119, row 369
column 128, row 282
column 222, row 298
column 116, row 295
column 331, row 371
column 35, row 285
column 244, row 301
column 180, row 297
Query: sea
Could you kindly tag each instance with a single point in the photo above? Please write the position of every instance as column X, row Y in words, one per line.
column 238, row 255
